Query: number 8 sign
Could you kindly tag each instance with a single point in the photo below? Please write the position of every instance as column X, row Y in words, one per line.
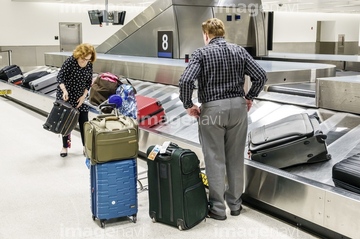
column 165, row 44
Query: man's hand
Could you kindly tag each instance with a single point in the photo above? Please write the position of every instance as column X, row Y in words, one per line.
column 194, row 111
column 249, row 104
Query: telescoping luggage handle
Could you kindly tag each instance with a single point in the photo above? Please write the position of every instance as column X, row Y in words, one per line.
column 112, row 105
column 112, row 117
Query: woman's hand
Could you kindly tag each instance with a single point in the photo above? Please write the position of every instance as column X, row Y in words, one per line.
column 80, row 101
column 65, row 95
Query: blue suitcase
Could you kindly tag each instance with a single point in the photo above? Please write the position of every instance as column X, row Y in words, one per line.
column 113, row 190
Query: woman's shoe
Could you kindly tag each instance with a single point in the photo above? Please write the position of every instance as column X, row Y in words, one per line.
column 63, row 152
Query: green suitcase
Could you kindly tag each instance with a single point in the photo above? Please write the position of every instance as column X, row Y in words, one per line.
column 177, row 194
column 111, row 137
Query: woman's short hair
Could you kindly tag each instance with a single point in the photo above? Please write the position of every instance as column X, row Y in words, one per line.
column 83, row 50
column 214, row 27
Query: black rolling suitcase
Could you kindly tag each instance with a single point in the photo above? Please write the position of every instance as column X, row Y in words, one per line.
column 62, row 118
column 296, row 139
column 46, row 83
column 177, row 194
column 12, row 74
column 33, row 76
column 346, row 173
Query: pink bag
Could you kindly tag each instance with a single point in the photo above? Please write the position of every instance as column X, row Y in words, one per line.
column 109, row 77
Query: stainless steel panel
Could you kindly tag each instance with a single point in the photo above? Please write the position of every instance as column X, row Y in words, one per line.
column 143, row 42
column 239, row 32
column 184, row 18
column 213, row 3
column 352, row 66
column 168, row 71
column 31, row 99
column 296, row 75
column 189, row 20
column 260, row 33
column 339, row 93
column 138, row 22
column 284, row 191
column 342, row 213
column 55, row 60
column 326, row 206
column 288, row 99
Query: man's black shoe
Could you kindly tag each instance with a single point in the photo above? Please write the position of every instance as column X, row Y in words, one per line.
column 236, row 212
column 216, row 217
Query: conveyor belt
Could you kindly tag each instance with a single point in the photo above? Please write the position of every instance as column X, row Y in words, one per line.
column 264, row 184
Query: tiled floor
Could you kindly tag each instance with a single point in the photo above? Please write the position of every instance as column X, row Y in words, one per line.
column 45, row 196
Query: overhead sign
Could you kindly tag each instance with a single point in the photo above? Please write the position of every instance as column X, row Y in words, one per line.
column 165, row 44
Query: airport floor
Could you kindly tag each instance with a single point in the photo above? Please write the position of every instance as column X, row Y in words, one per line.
column 46, row 196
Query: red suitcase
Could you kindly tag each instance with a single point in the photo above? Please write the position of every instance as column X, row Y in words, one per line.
column 150, row 111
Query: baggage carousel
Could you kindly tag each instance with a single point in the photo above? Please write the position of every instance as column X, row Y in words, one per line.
column 303, row 195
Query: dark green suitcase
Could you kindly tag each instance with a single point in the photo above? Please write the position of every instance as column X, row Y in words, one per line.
column 177, row 194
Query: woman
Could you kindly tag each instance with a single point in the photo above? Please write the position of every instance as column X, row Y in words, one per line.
column 74, row 78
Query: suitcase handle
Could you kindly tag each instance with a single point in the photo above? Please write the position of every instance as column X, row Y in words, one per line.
column 112, row 105
column 129, row 83
column 121, row 119
column 102, row 123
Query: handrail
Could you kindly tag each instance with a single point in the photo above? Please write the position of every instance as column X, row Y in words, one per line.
column 9, row 55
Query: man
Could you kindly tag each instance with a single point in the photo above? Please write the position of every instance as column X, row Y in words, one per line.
column 220, row 69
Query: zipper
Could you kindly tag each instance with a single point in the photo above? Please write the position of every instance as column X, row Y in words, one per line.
column 150, row 115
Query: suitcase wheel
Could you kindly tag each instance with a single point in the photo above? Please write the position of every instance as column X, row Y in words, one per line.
column 163, row 119
column 102, row 223
column 134, row 218
column 93, row 217
column 56, row 104
column 181, row 225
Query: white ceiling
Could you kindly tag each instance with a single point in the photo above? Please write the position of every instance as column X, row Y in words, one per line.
column 331, row 6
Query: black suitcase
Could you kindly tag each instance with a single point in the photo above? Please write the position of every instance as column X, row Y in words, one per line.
column 296, row 139
column 62, row 118
column 12, row 74
column 177, row 194
column 45, row 84
column 33, row 76
column 346, row 173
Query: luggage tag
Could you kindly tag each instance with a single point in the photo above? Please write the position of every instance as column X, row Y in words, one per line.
column 154, row 152
column 164, row 147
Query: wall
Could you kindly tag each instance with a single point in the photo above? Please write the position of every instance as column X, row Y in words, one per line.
column 296, row 31
column 28, row 29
